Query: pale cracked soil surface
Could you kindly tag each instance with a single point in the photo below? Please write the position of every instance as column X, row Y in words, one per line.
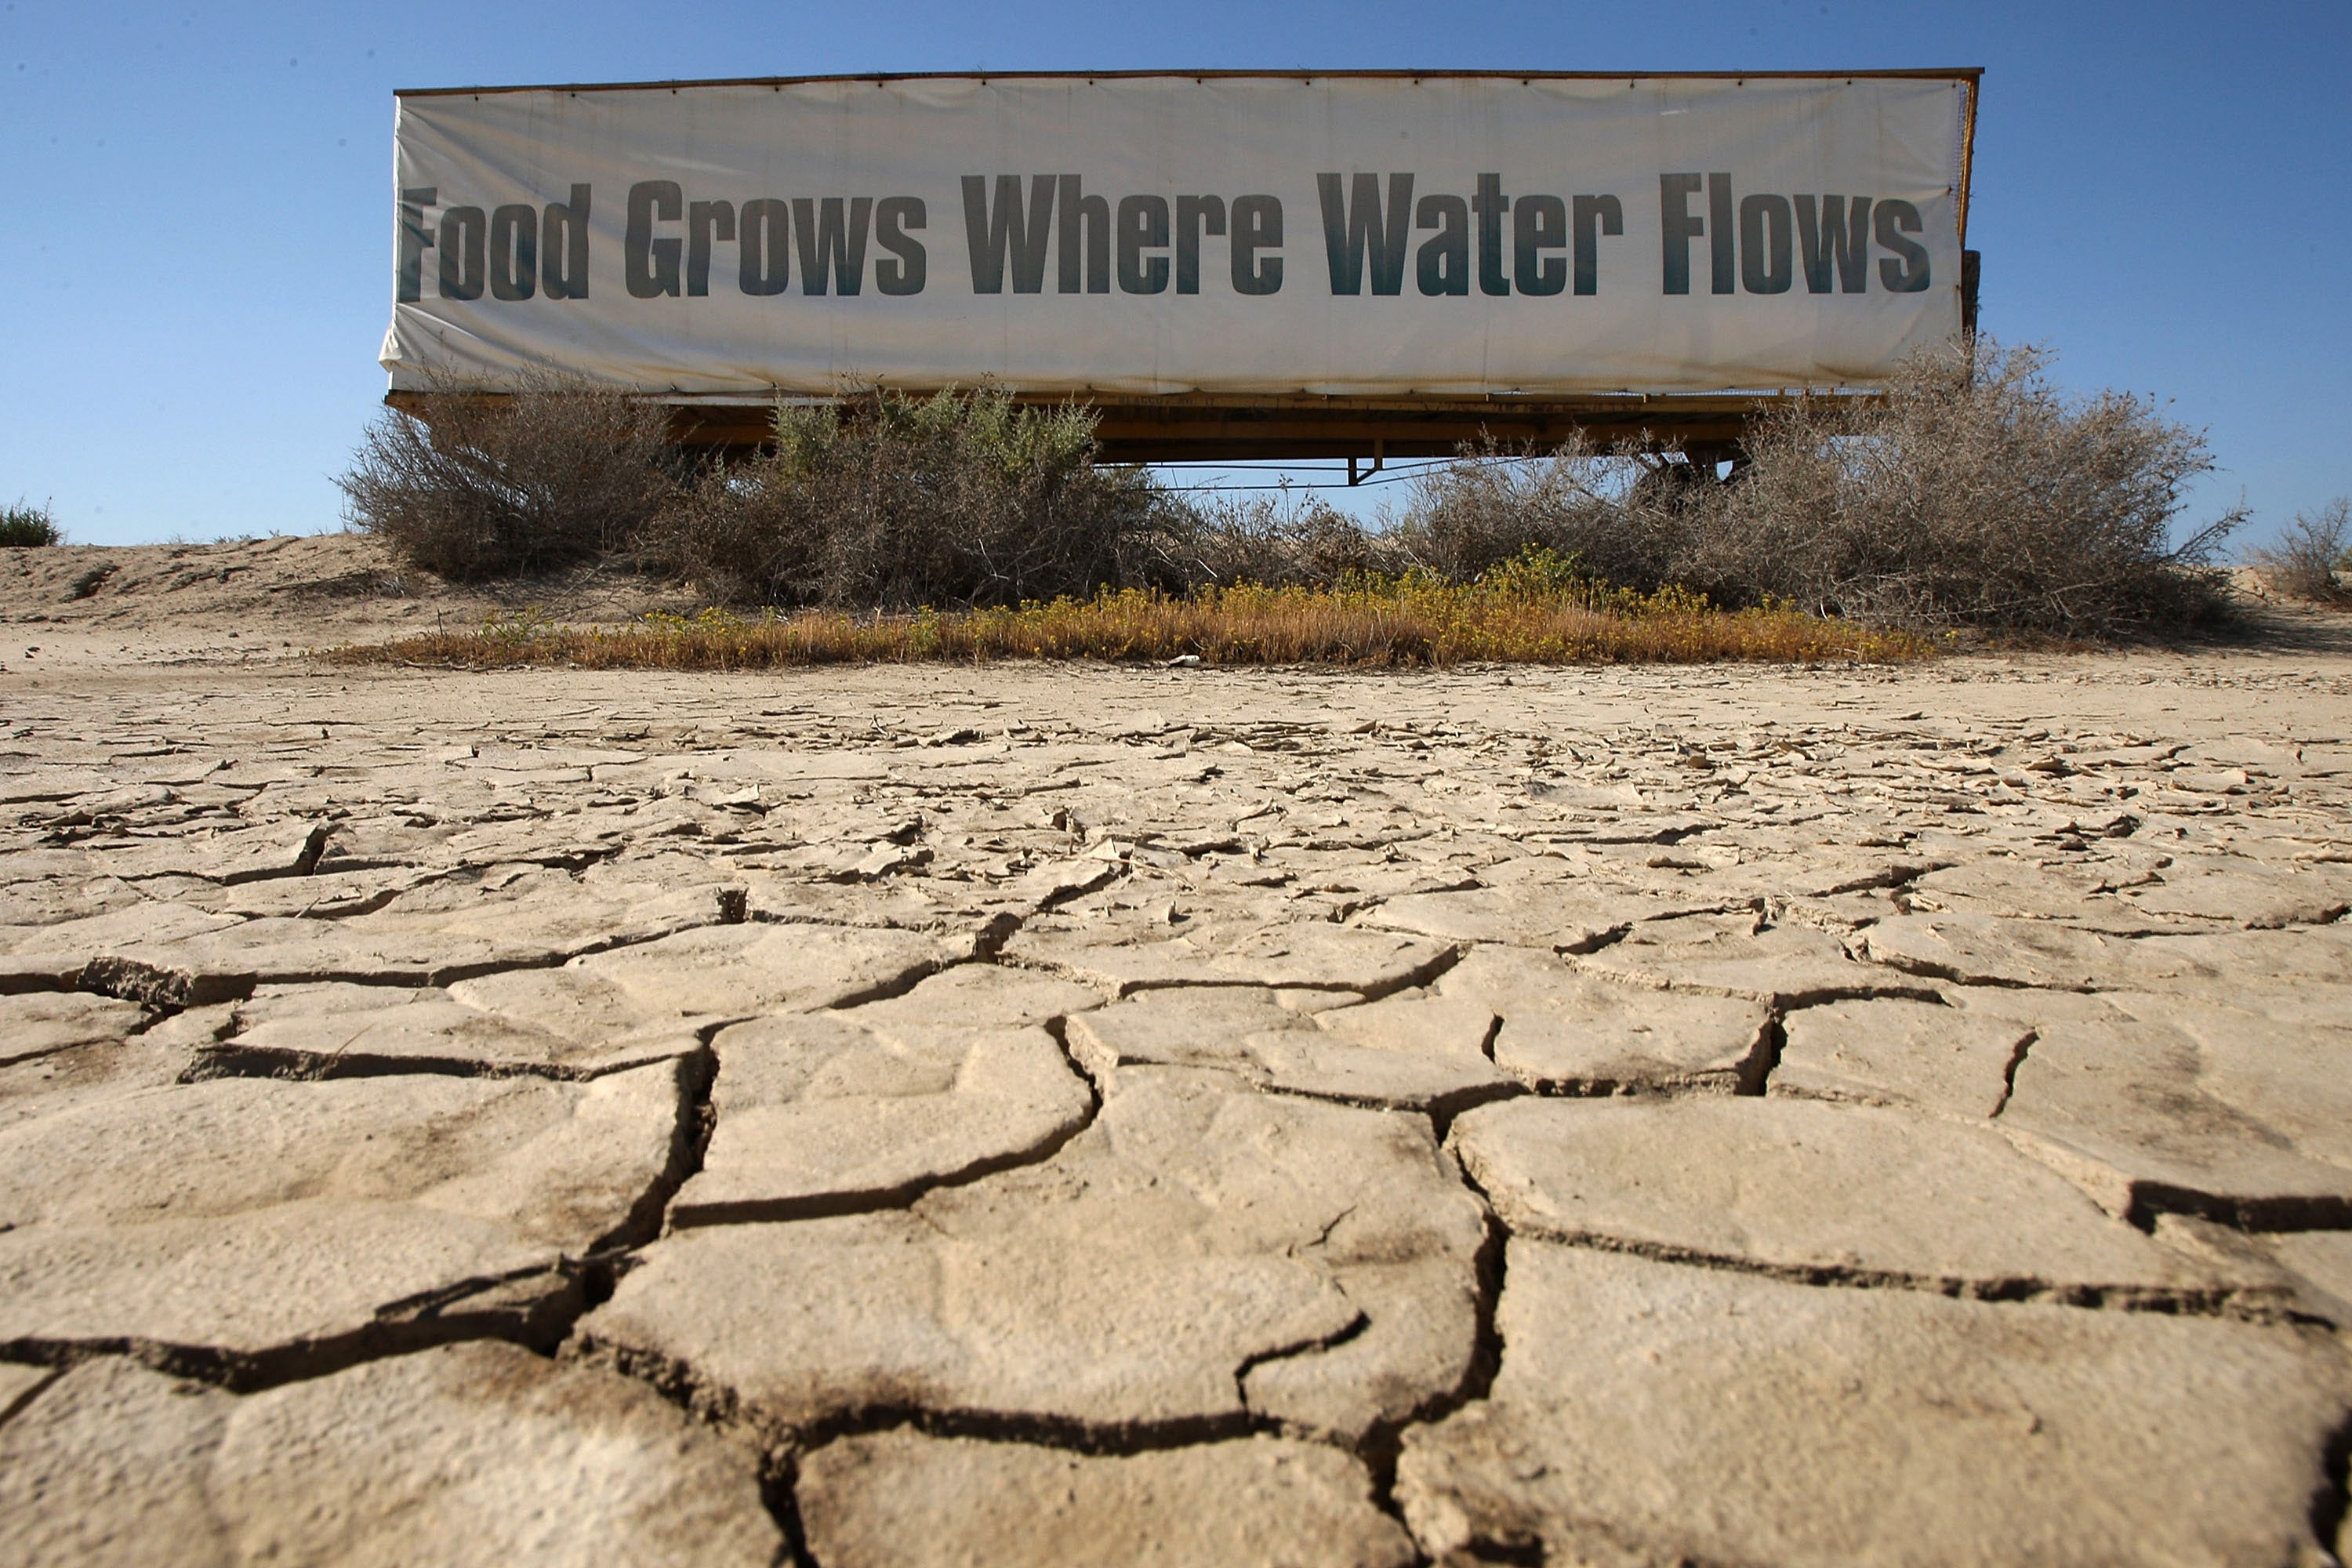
column 1092, row 1116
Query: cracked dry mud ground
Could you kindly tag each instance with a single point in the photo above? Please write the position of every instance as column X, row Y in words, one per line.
column 1066, row 1116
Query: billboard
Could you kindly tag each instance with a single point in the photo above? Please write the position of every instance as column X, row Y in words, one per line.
column 1348, row 236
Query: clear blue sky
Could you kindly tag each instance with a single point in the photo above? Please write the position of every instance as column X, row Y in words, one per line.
column 197, row 203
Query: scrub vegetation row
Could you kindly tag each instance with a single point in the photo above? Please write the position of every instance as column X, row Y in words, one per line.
column 1974, row 494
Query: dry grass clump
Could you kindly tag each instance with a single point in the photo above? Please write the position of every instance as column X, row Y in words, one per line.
column 25, row 526
column 1533, row 611
column 960, row 499
column 2309, row 555
column 499, row 485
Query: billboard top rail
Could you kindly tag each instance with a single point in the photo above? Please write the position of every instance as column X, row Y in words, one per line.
column 1970, row 74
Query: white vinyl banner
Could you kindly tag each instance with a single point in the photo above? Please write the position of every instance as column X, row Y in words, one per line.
column 1343, row 235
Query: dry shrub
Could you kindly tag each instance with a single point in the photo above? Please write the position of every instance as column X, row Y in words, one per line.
column 1605, row 510
column 1974, row 493
column 25, row 526
column 958, row 499
column 2303, row 561
column 551, row 473
column 1276, row 540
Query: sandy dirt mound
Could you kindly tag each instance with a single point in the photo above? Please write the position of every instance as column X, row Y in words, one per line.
column 293, row 591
